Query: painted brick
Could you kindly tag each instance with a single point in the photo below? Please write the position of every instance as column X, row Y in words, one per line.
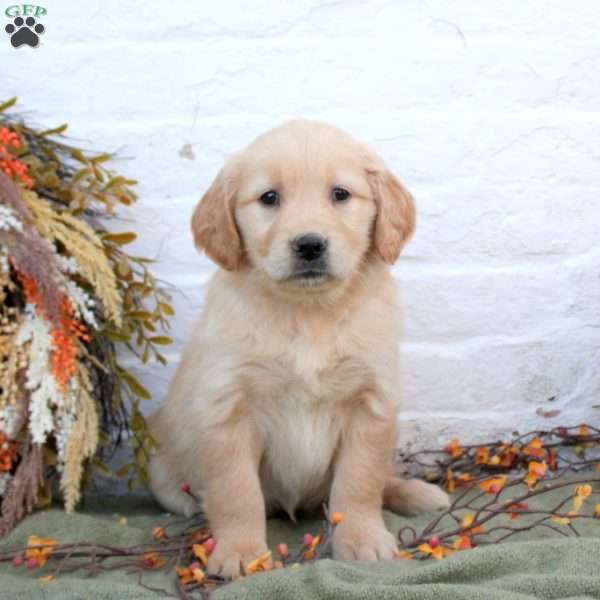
column 487, row 111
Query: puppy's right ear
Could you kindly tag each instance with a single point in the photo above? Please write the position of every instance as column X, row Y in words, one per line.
column 213, row 222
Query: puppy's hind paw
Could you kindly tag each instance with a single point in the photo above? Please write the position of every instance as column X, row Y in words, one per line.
column 413, row 497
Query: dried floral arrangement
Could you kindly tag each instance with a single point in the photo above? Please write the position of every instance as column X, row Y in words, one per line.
column 70, row 297
column 497, row 489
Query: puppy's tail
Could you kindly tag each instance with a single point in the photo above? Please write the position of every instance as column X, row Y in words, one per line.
column 412, row 496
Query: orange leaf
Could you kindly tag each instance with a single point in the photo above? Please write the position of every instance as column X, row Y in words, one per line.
column 438, row 552
column 531, row 480
column 152, row 560
column 185, row 575
column 40, row 548
column 509, row 455
column 597, row 510
column 453, row 448
column 159, row 533
column 465, row 478
column 583, row 431
column 200, row 552
column 561, row 520
column 537, row 468
column 467, row 520
column 583, row 490
column 198, row 575
column 262, row 563
column 535, row 448
column 494, row 485
column 463, row 543
column 482, row 455
column 405, row 555
column 451, row 484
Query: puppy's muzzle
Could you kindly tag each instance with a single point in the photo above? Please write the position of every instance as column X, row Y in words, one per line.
column 310, row 253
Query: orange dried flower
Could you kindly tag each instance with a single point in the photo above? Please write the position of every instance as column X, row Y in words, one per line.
column 9, row 164
column 64, row 336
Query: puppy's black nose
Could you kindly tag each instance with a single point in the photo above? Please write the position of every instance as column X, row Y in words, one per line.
column 309, row 246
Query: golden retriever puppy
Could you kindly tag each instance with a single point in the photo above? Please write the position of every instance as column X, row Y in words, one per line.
column 287, row 392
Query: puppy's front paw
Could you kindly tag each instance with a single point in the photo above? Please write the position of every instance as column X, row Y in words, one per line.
column 231, row 556
column 363, row 541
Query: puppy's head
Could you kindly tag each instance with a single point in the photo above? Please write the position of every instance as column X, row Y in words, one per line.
column 306, row 205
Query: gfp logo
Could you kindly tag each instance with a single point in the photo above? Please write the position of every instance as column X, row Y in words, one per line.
column 24, row 29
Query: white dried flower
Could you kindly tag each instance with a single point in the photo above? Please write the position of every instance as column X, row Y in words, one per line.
column 8, row 219
column 39, row 379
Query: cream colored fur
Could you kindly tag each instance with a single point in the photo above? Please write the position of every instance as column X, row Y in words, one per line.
column 287, row 392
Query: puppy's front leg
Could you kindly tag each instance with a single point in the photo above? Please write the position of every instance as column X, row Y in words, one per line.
column 233, row 498
column 360, row 475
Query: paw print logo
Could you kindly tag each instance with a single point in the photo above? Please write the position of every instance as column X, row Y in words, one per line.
column 24, row 32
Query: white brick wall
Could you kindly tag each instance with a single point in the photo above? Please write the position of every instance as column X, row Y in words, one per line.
column 488, row 111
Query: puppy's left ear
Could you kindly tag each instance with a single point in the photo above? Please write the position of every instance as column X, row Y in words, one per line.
column 396, row 214
column 213, row 222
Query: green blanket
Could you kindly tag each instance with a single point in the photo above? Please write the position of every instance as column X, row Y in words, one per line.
column 540, row 565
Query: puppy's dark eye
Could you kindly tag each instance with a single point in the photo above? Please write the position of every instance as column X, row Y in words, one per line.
column 270, row 198
column 339, row 194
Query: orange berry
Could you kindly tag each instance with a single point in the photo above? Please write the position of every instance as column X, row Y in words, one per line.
column 336, row 518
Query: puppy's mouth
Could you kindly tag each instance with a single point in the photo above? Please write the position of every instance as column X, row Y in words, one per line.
column 310, row 275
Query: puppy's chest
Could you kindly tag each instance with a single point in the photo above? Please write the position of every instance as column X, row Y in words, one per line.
column 309, row 372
